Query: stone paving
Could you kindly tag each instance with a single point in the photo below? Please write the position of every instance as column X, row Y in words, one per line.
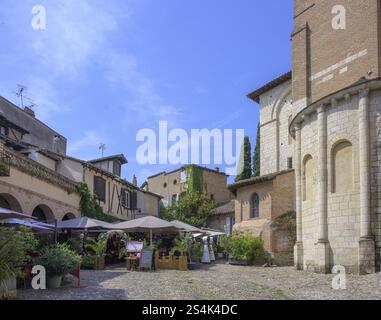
column 217, row 281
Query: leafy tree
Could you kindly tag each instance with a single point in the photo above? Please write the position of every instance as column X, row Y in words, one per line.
column 257, row 156
column 193, row 208
column 244, row 168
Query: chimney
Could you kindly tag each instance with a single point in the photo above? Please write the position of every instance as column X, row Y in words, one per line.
column 135, row 181
column 29, row 111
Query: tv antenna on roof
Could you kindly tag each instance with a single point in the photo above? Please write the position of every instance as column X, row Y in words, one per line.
column 20, row 93
column 102, row 147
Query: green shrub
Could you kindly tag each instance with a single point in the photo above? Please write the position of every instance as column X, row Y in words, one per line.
column 98, row 246
column 244, row 246
column 58, row 260
column 88, row 262
column 196, row 251
column 15, row 245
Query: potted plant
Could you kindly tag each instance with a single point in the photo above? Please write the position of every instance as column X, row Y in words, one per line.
column 99, row 248
column 14, row 246
column 58, row 260
column 196, row 252
column 244, row 248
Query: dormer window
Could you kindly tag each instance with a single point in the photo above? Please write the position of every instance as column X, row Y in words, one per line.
column 117, row 168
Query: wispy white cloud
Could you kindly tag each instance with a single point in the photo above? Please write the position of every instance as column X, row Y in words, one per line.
column 145, row 103
column 90, row 139
column 75, row 32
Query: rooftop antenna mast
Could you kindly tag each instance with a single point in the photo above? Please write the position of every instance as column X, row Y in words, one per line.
column 102, row 147
column 20, row 93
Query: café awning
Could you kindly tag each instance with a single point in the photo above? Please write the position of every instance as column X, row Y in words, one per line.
column 146, row 224
column 85, row 223
column 9, row 214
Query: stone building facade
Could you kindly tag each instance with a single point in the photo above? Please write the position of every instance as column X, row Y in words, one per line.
column 331, row 106
column 262, row 203
column 336, row 129
column 38, row 178
column 172, row 185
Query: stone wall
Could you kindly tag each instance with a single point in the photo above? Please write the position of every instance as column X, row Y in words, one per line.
column 325, row 59
column 275, row 116
column 25, row 193
column 352, row 201
column 276, row 198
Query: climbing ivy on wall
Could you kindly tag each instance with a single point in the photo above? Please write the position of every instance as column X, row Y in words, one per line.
column 195, row 183
column 89, row 206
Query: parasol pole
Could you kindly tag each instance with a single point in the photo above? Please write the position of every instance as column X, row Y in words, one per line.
column 150, row 231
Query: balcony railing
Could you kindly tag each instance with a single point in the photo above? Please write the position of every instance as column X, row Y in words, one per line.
column 39, row 171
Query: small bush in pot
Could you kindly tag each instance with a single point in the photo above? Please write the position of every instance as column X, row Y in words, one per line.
column 15, row 246
column 99, row 248
column 58, row 260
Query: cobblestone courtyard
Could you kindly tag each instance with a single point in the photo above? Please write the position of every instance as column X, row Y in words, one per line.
column 218, row 281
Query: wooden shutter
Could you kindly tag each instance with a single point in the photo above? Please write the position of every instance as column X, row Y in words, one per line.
column 134, row 200
column 100, row 188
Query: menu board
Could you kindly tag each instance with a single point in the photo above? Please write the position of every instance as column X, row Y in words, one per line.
column 146, row 259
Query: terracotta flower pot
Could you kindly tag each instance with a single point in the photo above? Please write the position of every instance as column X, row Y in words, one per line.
column 100, row 263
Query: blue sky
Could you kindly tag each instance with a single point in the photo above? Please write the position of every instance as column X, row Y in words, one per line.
column 102, row 70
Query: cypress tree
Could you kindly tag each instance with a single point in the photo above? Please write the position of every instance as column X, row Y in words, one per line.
column 257, row 154
column 244, row 168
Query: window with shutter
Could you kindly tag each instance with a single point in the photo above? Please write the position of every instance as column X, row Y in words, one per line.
column 100, row 188
column 126, row 198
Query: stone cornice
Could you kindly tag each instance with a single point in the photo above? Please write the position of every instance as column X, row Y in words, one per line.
column 364, row 87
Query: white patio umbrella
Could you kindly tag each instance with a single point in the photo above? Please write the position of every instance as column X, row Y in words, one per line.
column 85, row 223
column 186, row 227
column 149, row 224
column 9, row 214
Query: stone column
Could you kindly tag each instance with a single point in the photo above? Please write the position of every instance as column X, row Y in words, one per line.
column 366, row 244
column 322, row 246
column 298, row 249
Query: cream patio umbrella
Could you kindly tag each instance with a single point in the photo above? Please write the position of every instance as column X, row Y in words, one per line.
column 186, row 227
column 149, row 224
column 85, row 223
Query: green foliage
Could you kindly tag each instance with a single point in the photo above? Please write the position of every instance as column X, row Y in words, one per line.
column 89, row 206
column 4, row 169
column 244, row 246
column 245, row 169
column 196, row 251
column 58, row 259
column 98, row 246
column 193, row 208
column 182, row 244
column 195, row 181
column 75, row 245
column 257, row 155
column 14, row 248
column 88, row 262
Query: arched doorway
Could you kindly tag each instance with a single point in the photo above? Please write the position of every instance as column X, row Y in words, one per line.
column 43, row 213
column 68, row 216
column 9, row 202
